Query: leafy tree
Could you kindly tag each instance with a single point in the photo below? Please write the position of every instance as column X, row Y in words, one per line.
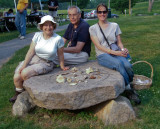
column 6, row 3
column 82, row 3
column 93, row 3
column 121, row 5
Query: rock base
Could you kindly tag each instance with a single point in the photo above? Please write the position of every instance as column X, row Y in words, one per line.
column 23, row 104
column 115, row 111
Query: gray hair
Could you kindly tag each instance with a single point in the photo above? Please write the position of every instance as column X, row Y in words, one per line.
column 72, row 7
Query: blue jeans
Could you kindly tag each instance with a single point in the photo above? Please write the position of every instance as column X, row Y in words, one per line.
column 117, row 63
column 20, row 22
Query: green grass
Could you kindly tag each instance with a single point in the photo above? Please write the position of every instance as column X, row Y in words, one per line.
column 141, row 36
column 142, row 8
column 5, row 36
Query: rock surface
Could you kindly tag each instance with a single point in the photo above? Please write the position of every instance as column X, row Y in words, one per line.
column 46, row 92
column 23, row 104
column 115, row 111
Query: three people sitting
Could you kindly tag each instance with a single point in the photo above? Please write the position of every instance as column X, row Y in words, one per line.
column 47, row 48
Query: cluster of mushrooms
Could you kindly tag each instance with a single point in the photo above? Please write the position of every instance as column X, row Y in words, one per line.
column 75, row 76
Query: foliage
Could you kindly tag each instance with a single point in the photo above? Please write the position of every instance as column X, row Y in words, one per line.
column 94, row 3
column 6, row 3
column 121, row 5
column 82, row 3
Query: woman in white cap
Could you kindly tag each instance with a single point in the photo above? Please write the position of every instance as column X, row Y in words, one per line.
column 39, row 58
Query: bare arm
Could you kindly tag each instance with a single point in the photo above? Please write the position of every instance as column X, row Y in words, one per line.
column 52, row 7
column 29, row 55
column 61, row 59
column 76, row 49
column 106, row 50
column 65, row 40
column 119, row 43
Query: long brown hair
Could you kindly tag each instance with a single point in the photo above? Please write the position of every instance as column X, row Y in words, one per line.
column 102, row 4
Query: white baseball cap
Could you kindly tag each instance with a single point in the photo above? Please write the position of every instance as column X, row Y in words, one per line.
column 46, row 18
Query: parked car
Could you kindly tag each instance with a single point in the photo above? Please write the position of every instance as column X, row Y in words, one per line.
column 93, row 14
column 87, row 15
column 114, row 16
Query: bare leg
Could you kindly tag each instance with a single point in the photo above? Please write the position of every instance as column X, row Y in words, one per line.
column 19, row 79
column 24, row 75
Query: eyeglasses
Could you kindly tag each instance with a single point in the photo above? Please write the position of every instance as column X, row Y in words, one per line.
column 72, row 15
column 100, row 12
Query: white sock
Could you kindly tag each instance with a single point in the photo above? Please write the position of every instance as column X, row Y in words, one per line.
column 128, row 87
column 19, row 89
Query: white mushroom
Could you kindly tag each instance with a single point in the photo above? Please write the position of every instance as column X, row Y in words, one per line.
column 73, row 83
column 89, row 70
column 74, row 69
column 60, row 79
column 69, row 80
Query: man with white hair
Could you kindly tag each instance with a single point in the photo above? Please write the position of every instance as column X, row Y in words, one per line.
column 77, row 38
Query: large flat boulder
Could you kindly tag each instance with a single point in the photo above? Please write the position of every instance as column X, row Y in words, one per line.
column 86, row 90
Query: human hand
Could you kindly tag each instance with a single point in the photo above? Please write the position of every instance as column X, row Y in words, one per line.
column 20, row 70
column 65, row 68
column 121, row 53
column 125, row 50
column 69, row 44
column 21, row 10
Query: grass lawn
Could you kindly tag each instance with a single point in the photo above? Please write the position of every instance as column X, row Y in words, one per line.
column 141, row 37
column 140, row 34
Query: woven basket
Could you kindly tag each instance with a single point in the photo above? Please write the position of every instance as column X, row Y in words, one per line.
column 142, row 82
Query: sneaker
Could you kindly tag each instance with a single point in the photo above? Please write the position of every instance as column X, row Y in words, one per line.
column 13, row 99
column 133, row 96
column 22, row 37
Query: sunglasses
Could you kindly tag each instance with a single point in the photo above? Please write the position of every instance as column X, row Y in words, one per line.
column 100, row 12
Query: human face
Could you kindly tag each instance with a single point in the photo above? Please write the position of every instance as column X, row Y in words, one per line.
column 48, row 28
column 74, row 16
column 102, row 16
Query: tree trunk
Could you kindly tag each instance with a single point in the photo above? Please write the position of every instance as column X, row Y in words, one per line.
column 109, row 4
column 150, row 5
column 129, row 7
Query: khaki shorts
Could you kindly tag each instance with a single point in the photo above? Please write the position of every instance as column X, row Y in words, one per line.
column 38, row 65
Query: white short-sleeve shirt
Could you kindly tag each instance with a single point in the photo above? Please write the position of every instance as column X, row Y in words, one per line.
column 110, row 33
column 47, row 49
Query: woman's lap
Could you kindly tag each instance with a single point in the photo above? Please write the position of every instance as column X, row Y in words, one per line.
column 108, row 61
column 117, row 63
column 36, row 66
